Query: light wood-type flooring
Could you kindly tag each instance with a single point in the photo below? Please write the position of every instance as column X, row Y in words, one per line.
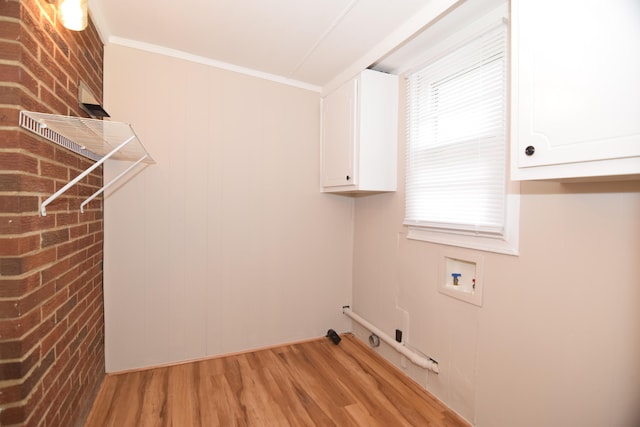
column 313, row 383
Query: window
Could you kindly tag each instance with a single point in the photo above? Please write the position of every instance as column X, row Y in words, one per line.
column 456, row 177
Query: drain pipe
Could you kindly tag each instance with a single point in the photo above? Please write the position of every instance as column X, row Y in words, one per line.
column 416, row 359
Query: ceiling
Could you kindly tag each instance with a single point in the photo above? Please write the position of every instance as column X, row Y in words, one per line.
column 310, row 42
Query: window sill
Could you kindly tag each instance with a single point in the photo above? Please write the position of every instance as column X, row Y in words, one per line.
column 507, row 244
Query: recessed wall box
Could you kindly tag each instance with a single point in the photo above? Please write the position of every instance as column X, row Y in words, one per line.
column 460, row 275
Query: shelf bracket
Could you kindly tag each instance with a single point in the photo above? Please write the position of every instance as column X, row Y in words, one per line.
column 74, row 181
column 98, row 140
column 110, row 183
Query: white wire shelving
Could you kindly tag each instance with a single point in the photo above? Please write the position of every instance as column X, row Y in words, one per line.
column 98, row 140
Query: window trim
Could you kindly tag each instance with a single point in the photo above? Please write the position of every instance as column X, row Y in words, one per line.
column 508, row 243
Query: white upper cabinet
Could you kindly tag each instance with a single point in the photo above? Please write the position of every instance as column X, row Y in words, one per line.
column 575, row 88
column 359, row 135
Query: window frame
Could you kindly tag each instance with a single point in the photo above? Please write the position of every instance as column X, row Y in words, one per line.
column 506, row 242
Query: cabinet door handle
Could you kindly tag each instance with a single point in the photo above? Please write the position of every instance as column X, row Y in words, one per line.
column 530, row 150
column 348, row 178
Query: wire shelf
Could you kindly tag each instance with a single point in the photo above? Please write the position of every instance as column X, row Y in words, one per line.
column 98, row 140
column 91, row 138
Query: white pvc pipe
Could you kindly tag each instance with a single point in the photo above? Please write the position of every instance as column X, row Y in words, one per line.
column 416, row 359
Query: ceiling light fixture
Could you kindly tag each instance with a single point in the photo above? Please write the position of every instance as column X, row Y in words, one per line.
column 72, row 13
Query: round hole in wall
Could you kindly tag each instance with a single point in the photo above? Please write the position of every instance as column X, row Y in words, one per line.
column 374, row 340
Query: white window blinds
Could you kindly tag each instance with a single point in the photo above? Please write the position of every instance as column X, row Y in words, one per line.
column 456, row 139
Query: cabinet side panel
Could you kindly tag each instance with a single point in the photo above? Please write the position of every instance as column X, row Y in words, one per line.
column 378, row 131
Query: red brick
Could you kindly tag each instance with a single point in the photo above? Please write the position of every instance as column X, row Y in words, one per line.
column 58, row 40
column 11, row 349
column 25, row 224
column 26, row 183
column 95, row 180
column 10, row 73
column 35, row 299
column 76, row 231
column 80, row 291
column 21, row 391
column 67, row 249
column 85, row 317
column 16, row 328
column 68, row 96
column 63, row 344
column 33, row 338
column 85, row 163
column 51, row 100
column 9, row 50
column 31, row 96
column 9, row 95
column 11, row 266
column 12, row 161
column 86, row 191
column 64, row 63
column 10, row 29
column 54, row 170
column 13, row 246
column 49, row 63
column 85, row 241
column 30, row 23
column 18, row 287
column 87, row 265
column 50, row 340
column 9, row 309
column 55, row 378
column 55, row 270
column 9, row 116
column 15, row 415
column 95, row 249
column 35, row 67
column 66, row 157
column 18, row 204
column 10, row 9
column 60, row 204
column 59, row 402
column 52, row 304
column 39, row 260
column 49, row 12
column 17, row 370
column 9, row 138
column 28, row 42
column 50, row 238
column 95, row 227
column 26, row 141
column 67, row 218
column 36, row 407
column 67, row 278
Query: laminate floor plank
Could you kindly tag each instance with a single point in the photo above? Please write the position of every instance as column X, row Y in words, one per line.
column 309, row 384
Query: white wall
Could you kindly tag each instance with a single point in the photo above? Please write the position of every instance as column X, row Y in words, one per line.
column 556, row 342
column 225, row 244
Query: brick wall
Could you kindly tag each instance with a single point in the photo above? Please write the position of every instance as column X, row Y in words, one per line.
column 51, row 309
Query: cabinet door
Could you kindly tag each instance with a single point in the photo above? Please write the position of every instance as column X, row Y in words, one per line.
column 576, row 81
column 338, row 136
